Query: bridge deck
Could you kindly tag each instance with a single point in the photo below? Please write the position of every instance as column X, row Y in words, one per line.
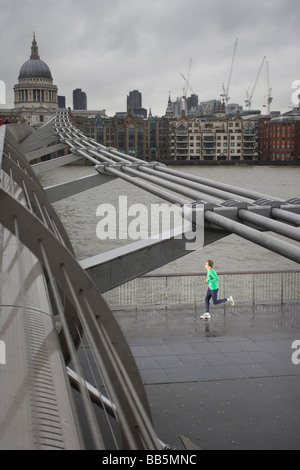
column 227, row 383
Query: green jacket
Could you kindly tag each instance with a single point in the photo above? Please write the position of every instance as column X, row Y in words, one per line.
column 212, row 278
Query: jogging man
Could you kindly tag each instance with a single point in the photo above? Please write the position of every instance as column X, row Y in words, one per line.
column 212, row 291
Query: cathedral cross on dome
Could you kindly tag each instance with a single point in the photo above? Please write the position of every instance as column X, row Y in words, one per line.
column 34, row 49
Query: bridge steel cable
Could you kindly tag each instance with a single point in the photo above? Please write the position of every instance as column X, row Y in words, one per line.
column 248, row 207
column 234, row 226
column 34, row 223
column 217, row 189
column 208, row 192
column 280, row 247
column 208, row 186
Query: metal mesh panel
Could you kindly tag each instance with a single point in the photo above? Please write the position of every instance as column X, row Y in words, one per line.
column 250, row 288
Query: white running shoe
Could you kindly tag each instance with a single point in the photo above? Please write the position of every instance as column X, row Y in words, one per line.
column 205, row 316
column 230, row 299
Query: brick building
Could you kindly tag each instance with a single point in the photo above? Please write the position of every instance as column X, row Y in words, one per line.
column 279, row 137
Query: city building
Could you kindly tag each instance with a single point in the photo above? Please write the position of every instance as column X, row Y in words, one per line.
column 279, row 137
column 134, row 103
column 10, row 117
column 233, row 108
column 61, row 101
column 127, row 133
column 35, row 95
column 79, row 99
column 216, row 138
column 193, row 109
column 134, row 100
column 169, row 138
column 201, row 132
column 192, row 105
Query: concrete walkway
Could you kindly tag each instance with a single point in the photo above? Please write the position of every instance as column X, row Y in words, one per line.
column 226, row 383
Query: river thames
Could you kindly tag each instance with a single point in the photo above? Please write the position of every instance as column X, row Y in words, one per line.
column 231, row 254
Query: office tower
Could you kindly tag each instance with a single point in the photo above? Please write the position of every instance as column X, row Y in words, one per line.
column 134, row 100
column 61, row 100
column 79, row 99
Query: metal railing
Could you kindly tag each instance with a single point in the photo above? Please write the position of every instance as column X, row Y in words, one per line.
column 254, row 288
column 38, row 352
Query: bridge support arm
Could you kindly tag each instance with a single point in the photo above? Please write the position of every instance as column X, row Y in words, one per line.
column 62, row 191
column 114, row 268
column 42, row 167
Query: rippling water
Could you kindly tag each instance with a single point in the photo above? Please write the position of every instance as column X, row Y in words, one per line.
column 233, row 253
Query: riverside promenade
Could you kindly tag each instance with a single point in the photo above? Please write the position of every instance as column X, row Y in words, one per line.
column 226, row 383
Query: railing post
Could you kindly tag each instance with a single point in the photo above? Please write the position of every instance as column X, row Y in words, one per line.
column 166, row 296
column 224, row 294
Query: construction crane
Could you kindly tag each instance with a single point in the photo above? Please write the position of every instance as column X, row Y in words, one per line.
column 187, row 80
column 225, row 93
column 185, row 89
column 187, row 86
column 248, row 100
column 270, row 97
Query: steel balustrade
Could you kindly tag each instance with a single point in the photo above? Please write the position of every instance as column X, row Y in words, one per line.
column 173, row 290
column 35, row 224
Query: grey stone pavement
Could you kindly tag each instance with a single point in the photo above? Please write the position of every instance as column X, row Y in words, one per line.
column 226, row 383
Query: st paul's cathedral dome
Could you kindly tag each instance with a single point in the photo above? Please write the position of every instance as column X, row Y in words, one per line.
column 35, row 90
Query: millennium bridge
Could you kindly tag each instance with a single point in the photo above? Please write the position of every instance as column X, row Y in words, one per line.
column 50, row 303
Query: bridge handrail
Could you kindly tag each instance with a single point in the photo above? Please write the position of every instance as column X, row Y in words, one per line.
column 224, row 273
column 247, row 287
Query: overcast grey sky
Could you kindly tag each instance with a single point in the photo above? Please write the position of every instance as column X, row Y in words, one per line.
column 109, row 48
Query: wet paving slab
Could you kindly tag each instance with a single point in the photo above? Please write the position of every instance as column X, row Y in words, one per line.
column 174, row 345
column 230, row 383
